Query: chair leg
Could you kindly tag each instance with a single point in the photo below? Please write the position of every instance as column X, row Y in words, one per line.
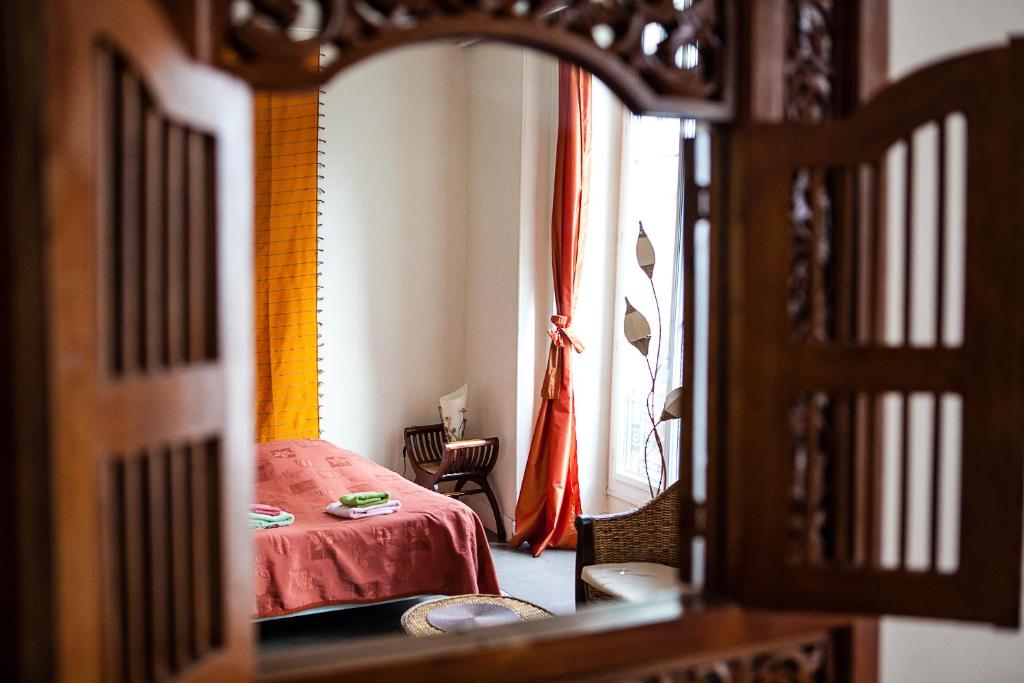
column 499, row 525
column 459, row 484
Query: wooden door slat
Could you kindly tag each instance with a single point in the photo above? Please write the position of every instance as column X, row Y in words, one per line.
column 154, row 239
column 131, row 171
column 940, row 306
column 177, row 312
column 203, row 524
column 848, row 227
column 181, row 554
column 877, row 288
column 198, row 243
column 873, row 518
column 115, row 636
column 135, row 550
column 159, row 520
column 842, row 481
column 906, row 332
column 108, row 210
column 861, row 490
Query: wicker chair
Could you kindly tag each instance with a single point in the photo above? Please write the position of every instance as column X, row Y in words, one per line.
column 435, row 462
column 649, row 533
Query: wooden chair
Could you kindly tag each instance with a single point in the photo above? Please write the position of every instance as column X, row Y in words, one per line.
column 434, row 462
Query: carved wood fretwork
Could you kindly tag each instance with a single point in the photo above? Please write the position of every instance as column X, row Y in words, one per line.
column 653, row 54
column 806, row 662
column 810, row 271
column 809, row 63
column 810, row 420
column 809, row 100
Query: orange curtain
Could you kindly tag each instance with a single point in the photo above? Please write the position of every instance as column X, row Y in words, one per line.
column 550, row 497
column 285, row 169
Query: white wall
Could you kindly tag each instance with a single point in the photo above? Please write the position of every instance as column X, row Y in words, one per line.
column 536, row 291
column 437, row 265
column 394, row 246
column 510, row 298
column 595, row 319
column 492, row 268
column 922, row 31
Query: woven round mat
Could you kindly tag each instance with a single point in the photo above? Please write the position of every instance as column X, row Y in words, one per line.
column 415, row 623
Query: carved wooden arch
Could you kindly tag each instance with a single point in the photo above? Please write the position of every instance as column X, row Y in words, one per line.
column 688, row 71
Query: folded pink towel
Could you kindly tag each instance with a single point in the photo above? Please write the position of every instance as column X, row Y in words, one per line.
column 346, row 512
column 264, row 509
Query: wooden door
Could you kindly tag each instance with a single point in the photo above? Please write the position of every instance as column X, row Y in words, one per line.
column 148, row 194
column 876, row 409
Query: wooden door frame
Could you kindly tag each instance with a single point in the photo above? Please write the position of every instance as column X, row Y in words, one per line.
column 660, row 632
column 612, row 643
column 113, row 417
column 859, row 32
column 829, row 546
column 768, row 53
column 24, row 581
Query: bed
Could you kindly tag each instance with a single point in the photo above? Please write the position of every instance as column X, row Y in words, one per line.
column 433, row 546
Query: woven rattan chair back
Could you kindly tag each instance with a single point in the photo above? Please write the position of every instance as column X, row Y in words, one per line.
column 651, row 534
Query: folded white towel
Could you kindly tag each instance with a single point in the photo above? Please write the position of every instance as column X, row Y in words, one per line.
column 346, row 512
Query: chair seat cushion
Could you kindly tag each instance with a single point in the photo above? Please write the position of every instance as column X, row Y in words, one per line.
column 632, row 581
column 431, row 467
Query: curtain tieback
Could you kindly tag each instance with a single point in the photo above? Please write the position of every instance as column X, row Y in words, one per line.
column 562, row 336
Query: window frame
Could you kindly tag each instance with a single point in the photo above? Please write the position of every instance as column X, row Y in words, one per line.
column 622, row 485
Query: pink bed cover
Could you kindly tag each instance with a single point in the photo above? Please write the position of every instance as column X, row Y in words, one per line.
column 434, row 545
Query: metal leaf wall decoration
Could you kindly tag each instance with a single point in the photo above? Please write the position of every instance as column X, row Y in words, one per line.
column 645, row 252
column 638, row 333
column 673, row 405
column 637, row 329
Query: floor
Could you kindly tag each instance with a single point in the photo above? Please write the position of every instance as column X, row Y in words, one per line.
column 548, row 581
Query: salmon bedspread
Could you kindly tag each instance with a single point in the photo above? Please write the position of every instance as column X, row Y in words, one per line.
column 433, row 545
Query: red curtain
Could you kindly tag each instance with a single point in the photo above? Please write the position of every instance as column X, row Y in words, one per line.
column 550, row 497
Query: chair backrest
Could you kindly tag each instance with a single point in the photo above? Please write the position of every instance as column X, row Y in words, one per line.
column 648, row 534
column 472, row 455
column 424, row 443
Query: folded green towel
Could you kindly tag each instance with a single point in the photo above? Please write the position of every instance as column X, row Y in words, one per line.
column 365, row 499
column 258, row 521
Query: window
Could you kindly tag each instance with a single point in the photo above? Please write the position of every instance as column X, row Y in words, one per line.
column 651, row 192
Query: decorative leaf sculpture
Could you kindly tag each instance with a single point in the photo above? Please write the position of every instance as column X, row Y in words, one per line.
column 638, row 333
column 673, row 405
column 645, row 252
column 637, row 329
